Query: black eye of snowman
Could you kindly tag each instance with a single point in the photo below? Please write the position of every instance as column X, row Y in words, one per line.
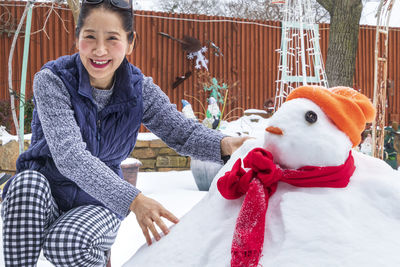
column 311, row 116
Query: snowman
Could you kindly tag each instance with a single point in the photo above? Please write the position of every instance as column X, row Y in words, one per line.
column 298, row 196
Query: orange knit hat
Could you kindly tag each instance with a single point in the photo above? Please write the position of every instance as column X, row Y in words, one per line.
column 346, row 107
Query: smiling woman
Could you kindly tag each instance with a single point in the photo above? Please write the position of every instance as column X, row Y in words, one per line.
column 102, row 48
column 88, row 110
column 98, row 42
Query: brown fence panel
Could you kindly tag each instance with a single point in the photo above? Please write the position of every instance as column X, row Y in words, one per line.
column 394, row 75
column 249, row 63
column 48, row 43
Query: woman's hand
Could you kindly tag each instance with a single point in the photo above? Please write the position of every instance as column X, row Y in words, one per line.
column 229, row 144
column 147, row 212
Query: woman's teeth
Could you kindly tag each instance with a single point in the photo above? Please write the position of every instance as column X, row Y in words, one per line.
column 100, row 62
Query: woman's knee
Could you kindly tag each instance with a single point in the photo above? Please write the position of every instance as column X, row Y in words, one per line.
column 71, row 248
column 82, row 235
column 61, row 249
column 29, row 185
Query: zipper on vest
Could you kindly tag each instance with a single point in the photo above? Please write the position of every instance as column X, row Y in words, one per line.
column 98, row 129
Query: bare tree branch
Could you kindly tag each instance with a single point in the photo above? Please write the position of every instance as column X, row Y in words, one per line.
column 49, row 12
column 8, row 23
column 62, row 21
column 10, row 58
column 327, row 4
column 45, row 22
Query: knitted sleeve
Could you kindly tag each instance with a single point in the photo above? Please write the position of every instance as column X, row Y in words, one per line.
column 69, row 150
column 184, row 135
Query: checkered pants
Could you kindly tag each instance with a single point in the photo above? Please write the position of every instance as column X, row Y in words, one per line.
column 32, row 221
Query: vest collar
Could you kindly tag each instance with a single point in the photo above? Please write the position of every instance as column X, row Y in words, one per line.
column 84, row 89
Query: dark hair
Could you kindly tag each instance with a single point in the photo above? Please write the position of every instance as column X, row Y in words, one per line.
column 126, row 16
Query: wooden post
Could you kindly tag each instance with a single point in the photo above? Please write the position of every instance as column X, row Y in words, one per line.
column 380, row 77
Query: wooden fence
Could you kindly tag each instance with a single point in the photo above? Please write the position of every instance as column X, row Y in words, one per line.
column 248, row 65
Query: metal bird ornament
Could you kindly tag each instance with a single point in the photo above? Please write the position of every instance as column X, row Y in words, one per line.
column 188, row 44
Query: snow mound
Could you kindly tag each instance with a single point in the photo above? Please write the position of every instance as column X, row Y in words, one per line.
column 354, row 226
column 358, row 225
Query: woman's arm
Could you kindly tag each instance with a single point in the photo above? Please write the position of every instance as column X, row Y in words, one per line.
column 69, row 150
column 183, row 135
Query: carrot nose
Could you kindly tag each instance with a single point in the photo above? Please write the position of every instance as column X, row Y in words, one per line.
column 274, row 130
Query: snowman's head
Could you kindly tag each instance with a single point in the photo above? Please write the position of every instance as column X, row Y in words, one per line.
column 317, row 127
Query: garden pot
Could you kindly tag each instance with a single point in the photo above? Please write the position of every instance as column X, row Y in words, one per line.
column 130, row 168
column 204, row 172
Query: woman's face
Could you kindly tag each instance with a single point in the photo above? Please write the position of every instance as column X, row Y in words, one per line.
column 102, row 45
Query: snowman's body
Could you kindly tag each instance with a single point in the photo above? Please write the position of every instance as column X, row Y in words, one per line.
column 354, row 226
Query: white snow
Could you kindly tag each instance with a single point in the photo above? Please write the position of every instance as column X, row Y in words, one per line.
column 253, row 125
column 5, row 137
column 368, row 16
column 153, row 5
column 255, row 111
column 130, row 161
column 147, row 136
column 176, row 191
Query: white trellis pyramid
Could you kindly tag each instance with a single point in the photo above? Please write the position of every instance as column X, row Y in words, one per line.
column 300, row 55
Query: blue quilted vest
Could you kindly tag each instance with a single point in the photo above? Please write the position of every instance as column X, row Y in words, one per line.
column 109, row 134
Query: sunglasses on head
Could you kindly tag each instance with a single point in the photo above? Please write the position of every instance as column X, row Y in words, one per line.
column 123, row 4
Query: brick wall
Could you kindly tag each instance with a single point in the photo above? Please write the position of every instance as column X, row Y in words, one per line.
column 155, row 155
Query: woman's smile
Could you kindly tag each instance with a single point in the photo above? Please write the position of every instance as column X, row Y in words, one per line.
column 100, row 63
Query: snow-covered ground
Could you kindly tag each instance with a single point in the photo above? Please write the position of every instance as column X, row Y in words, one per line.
column 176, row 191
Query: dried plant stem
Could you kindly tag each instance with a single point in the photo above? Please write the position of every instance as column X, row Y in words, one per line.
column 202, row 106
column 199, row 113
column 226, row 116
column 233, row 117
column 223, row 108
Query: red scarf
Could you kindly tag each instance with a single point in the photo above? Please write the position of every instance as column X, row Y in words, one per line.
column 248, row 238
